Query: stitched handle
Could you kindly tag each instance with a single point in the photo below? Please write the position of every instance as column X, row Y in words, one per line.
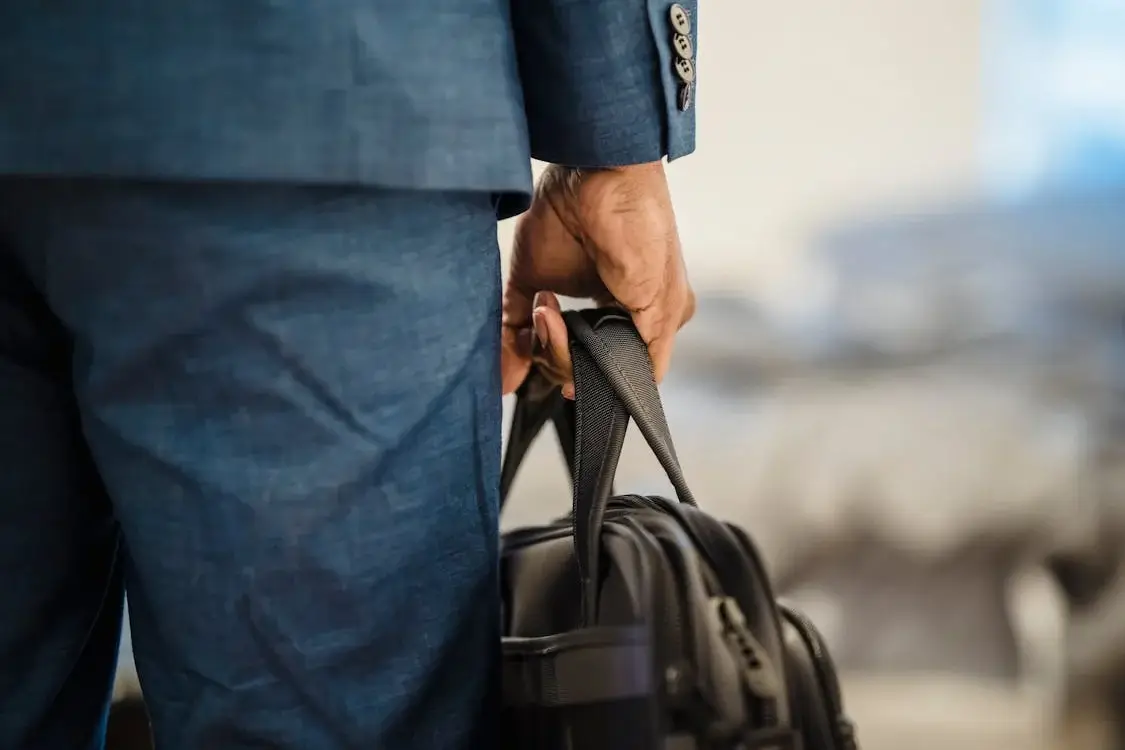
column 613, row 382
column 618, row 352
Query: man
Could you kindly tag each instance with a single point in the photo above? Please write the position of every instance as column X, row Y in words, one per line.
column 250, row 337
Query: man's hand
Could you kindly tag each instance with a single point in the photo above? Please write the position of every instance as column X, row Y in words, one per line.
column 607, row 235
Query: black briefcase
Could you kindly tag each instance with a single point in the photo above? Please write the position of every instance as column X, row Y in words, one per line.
column 639, row 622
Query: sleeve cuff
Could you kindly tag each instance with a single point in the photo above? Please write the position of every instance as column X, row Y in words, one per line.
column 674, row 27
column 607, row 82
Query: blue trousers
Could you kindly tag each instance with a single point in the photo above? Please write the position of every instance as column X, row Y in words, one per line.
column 273, row 414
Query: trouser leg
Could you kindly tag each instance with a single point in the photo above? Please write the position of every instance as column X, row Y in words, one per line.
column 292, row 395
column 60, row 583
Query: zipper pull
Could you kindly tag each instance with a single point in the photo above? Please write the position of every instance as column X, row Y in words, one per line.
column 757, row 670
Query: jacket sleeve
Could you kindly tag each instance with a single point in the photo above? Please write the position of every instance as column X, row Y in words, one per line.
column 607, row 82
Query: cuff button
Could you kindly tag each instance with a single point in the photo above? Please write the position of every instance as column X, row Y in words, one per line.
column 685, row 70
column 680, row 20
column 682, row 45
column 684, row 98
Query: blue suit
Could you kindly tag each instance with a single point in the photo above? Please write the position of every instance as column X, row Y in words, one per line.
column 425, row 94
column 249, row 336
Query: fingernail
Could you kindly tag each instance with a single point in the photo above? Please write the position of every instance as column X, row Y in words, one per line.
column 540, row 328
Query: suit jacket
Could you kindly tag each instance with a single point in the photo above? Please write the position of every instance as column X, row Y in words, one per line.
column 430, row 94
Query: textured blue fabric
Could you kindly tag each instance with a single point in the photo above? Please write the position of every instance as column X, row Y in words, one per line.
column 419, row 94
column 291, row 398
column 599, row 83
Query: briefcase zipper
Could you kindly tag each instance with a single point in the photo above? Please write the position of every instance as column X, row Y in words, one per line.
column 740, row 639
column 749, row 549
column 757, row 669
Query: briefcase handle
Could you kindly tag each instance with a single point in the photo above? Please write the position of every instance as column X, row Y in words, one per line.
column 537, row 402
column 613, row 382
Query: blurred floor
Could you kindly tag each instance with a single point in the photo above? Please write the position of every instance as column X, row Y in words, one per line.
column 933, row 712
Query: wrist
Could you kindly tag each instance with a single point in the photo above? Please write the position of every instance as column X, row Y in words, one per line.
column 572, row 177
column 647, row 166
column 643, row 168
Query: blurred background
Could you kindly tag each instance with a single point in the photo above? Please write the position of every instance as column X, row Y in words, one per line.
column 905, row 222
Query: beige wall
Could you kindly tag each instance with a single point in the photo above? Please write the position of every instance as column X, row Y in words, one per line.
column 809, row 109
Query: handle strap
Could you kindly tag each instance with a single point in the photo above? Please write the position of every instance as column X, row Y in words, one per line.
column 537, row 402
column 618, row 352
column 613, row 382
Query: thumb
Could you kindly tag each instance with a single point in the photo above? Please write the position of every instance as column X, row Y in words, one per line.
column 552, row 350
